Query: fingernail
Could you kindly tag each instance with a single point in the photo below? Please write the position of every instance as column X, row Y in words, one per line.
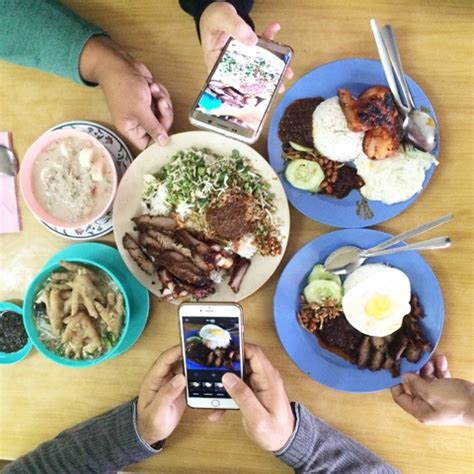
column 162, row 140
column 229, row 380
column 177, row 380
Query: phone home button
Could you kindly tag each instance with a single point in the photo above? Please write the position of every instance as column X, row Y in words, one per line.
column 215, row 403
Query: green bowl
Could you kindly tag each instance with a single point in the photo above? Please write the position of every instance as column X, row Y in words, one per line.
column 28, row 315
column 7, row 358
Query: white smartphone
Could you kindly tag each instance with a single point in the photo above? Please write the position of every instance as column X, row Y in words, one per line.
column 240, row 89
column 212, row 344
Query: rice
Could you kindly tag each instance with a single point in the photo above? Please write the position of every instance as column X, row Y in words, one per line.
column 332, row 137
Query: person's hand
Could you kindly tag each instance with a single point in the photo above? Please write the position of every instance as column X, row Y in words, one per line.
column 218, row 22
column 434, row 398
column 161, row 401
column 266, row 412
column 140, row 107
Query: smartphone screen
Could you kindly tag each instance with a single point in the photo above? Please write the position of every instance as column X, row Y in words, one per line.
column 212, row 346
column 241, row 87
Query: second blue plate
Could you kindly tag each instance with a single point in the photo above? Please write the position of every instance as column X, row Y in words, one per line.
column 303, row 348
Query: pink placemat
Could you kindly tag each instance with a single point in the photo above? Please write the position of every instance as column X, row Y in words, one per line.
column 9, row 212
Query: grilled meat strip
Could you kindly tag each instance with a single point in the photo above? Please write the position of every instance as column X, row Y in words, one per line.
column 136, row 253
column 379, row 354
column 238, row 273
column 181, row 267
column 364, row 353
column 195, row 244
column 161, row 223
column 157, row 241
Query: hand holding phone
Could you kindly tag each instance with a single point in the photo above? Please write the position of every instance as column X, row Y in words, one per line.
column 211, row 340
column 241, row 88
column 161, row 400
column 267, row 416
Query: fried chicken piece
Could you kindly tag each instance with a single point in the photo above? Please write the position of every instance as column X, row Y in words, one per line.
column 139, row 257
column 80, row 335
column 113, row 313
column 374, row 108
column 84, row 293
column 349, row 107
column 375, row 113
column 380, row 143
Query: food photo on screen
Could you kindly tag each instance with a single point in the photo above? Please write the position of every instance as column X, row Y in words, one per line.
column 242, row 85
column 212, row 348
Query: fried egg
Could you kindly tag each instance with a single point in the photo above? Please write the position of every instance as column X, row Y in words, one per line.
column 214, row 336
column 394, row 179
column 331, row 135
column 376, row 298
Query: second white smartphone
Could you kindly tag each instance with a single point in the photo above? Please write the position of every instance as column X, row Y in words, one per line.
column 212, row 344
column 241, row 88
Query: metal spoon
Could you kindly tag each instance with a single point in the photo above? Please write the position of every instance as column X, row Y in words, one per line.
column 8, row 162
column 346, row 259
column 419, row 127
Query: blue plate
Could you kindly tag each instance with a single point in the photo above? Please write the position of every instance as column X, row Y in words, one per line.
column 8, row 358
column 138, row 296
column 304, row 349
column 356, row 75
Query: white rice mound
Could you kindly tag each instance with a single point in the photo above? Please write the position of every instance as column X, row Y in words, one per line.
column 331, row 135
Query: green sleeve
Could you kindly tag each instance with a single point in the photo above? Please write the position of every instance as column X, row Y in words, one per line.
column 45, row 35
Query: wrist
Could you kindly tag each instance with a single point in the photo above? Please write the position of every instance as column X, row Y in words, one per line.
column 289, row 430
column 468, row 414
column 99, row 56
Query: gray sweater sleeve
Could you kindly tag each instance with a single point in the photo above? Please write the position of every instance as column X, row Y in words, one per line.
column 316, row 447
column 105, row 443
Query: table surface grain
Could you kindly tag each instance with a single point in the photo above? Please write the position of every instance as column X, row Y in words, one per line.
column 38, row 398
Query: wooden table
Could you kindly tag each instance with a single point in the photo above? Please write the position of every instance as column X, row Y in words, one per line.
column 39, row 398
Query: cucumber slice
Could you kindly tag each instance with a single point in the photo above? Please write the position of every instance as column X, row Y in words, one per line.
column 297, row 147
column 304, row 174
column 319, row 272
column 320, row 290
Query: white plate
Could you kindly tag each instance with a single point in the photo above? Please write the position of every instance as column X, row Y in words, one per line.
column 128, row 204
column 122, row 157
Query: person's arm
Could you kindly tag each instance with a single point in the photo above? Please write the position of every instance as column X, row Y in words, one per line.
column 292, row 433
column 316, row 447
column 105, row 443
column 196, row 8
column 45, row 35
column 123, row 436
